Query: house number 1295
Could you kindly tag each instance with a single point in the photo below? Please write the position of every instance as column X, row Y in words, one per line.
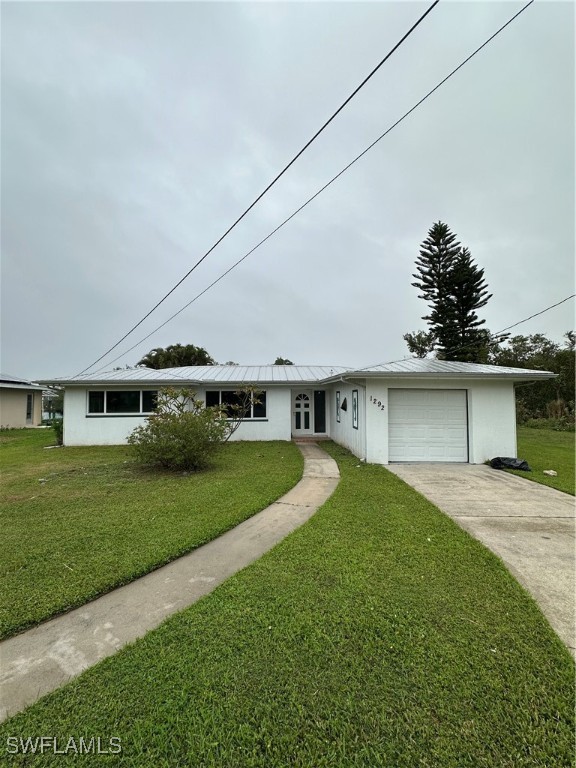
column 377, row 403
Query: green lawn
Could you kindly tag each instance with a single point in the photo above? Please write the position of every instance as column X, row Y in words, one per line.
column 99, row 521
column 378, row 634
column 547, row 449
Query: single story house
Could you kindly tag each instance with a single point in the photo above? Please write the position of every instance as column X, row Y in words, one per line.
column 413, row 411
column 20, row 403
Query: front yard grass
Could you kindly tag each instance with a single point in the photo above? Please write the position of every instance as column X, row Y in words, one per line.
column 378, row 634
column 77, row 522
column 547, row 449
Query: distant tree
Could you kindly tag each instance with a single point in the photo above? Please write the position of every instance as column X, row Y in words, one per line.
column 454, row 288
column 283, row 361
column 537, row 352
column 420, row 343
column 230, row 362
column 175, row 356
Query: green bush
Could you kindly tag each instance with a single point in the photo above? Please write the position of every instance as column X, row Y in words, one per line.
column 181, row 434
column 58, row 427
column 562, row 424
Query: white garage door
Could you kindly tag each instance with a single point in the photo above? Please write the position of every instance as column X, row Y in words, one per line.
column 427, row 425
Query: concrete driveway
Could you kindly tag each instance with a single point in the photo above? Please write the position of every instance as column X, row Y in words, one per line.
column 528, row 525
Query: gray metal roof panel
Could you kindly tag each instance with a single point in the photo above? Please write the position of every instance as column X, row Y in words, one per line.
column 15, row 382
column 208, row 375
column 414, row 366
column 213, row 375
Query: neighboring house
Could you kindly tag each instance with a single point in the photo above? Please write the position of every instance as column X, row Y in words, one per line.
column 20, row 403
column 415, row 410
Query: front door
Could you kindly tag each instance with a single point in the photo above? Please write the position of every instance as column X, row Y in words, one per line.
column 302, row 416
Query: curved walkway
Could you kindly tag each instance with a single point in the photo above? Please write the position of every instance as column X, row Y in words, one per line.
column 44, row 658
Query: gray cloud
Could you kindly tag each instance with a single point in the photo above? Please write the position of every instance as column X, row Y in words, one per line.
column 133, row 134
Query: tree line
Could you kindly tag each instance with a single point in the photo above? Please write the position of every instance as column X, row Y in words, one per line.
column 181, row 355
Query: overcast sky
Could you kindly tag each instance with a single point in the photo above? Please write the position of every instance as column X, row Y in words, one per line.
column 133, row 134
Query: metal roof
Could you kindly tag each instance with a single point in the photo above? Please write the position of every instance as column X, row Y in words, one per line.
column 295, row 374
column 14, row 382
column 424, row 367
column 209, row 374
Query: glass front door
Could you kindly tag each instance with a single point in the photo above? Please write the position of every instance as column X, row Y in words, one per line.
column 302, row 414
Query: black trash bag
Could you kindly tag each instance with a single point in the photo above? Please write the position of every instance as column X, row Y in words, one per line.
column 505, row 462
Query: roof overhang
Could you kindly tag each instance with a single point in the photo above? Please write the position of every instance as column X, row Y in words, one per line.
column 262, row 377
column 389, row 375
column 19, row 385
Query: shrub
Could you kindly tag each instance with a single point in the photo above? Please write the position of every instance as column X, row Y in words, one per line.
column 523, row 414
column 58, row 427
column 181, row 434
column 563, row 424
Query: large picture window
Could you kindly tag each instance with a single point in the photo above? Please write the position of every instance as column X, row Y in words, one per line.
column 121, row 402
column 229, row 399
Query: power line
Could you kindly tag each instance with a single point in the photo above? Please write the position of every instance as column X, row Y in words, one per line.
column 537, row 313
column 310, row 199
column 493, row 336
column 282, row 172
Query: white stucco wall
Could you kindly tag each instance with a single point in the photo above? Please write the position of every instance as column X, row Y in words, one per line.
column 491, row 416
column 343, row 432
column 491, row 420
column 81, row 429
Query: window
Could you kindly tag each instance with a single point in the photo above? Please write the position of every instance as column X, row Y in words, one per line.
column 29, row 408
column 149, row 401
column 121, row 402
column 96, row 402
column 256, row 410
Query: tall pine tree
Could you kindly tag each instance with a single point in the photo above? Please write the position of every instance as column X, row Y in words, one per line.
column 454, row 288
column 469, row 292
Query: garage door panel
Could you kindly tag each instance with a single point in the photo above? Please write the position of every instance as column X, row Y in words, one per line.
column 427, row 425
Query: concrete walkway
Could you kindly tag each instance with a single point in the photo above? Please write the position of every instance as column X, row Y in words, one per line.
column 44, row 658
column 528, row 525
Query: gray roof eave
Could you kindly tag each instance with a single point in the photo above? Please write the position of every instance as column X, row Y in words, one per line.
column 530, row 375
column 14, row 385
column 179, row 384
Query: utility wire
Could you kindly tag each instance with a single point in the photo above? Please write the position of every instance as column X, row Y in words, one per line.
column 493, row 336
column 537, row 313
column 310, row 199
column 282, row 172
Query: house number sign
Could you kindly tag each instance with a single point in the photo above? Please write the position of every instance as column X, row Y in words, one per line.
column 377, row 403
